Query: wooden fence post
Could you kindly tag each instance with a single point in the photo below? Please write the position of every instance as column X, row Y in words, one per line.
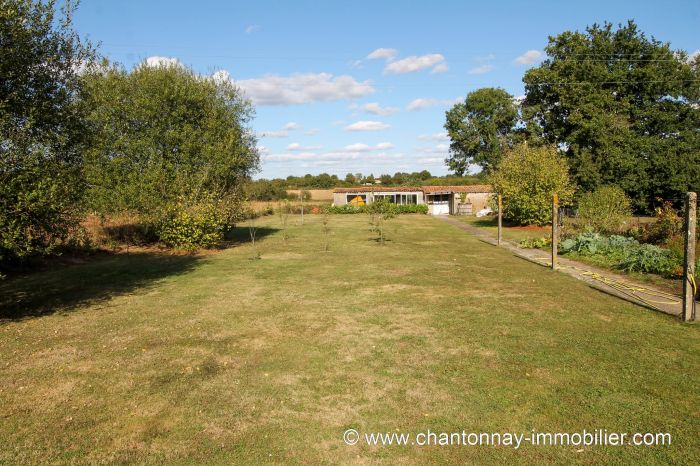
column 689, row 282
column 500, row 219
column 555, row 229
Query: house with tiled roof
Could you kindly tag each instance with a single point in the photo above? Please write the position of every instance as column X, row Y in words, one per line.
column 441, row 200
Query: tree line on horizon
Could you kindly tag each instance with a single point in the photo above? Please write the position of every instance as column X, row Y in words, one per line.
column 276, row 188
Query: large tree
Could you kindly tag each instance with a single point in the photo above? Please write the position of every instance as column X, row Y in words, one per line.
column 480, row 129
column 623, row 106
column 166, row 136
column 42, row 131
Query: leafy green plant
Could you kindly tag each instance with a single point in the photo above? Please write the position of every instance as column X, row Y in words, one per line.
column 586, row 244
column 649, row 258
column 624, row 253
column 527, row 177
column 604, row 210
column 191, row 227
column 396, row 208
column 536, row 243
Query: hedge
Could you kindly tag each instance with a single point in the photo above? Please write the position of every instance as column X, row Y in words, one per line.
column 396, row 209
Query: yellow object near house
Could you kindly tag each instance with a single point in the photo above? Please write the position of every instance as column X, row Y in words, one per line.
column 357, row 200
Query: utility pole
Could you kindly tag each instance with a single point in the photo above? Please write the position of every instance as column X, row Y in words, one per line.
column 689, row 281
column 555, row 229
column 500, row 219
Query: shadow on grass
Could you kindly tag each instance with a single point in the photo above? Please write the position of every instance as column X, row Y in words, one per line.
column 483, row 222
column 70, row 287
column 241, row 234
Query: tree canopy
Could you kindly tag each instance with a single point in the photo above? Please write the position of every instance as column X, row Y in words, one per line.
column 165, row 135
column 480, row 128
column 527, row 177
column 623, row 106
column 42, row 127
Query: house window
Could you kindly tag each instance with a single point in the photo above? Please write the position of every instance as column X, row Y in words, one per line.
column 357, row 199
column 385, row 197
column 438, row 198
column 407, row 199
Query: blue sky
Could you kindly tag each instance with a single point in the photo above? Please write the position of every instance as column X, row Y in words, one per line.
column 324, row 101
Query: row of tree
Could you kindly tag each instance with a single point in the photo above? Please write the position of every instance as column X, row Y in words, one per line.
column 78, row 134
column 623, row 109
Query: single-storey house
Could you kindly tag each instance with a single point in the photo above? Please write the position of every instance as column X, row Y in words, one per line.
column 441, row 200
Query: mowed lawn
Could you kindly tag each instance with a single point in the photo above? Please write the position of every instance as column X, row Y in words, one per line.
column 220, row 359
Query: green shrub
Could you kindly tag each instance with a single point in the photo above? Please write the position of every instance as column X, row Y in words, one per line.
column 527, row 177
column 667, row 225
column 193, row 227
column 536, row 243
column 604, row 210
column 649, row 258
column 397, row 209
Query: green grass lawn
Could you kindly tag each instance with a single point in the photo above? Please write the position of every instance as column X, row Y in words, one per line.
column 220, row 359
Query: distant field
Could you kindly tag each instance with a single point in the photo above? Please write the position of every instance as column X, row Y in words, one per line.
column 316, row 194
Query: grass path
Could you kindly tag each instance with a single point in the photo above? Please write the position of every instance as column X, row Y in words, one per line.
column 220, row 359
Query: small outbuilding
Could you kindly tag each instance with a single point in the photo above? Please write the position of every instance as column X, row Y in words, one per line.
column 441, row 200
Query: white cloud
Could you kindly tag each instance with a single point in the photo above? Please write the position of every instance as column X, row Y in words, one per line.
column 483, row 69
column 157, row 61
column 291, row 126
column 375, row 109
column 221, row 76
column 414, row 63
column 366, row 125
column 274, row 134
column 420, row 104
column 434, row 137
column 351, row 160
column 441, row 68
column 312, row 132
column 295, row 146
column 384, row 146
column 431, row 160
column 359, row 147
column 529, row 57
column 252, row 28
column 383, row 54
column 303, row 88
column 437, row 149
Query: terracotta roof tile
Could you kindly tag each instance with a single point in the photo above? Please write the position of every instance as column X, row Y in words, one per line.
column 475, row 188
